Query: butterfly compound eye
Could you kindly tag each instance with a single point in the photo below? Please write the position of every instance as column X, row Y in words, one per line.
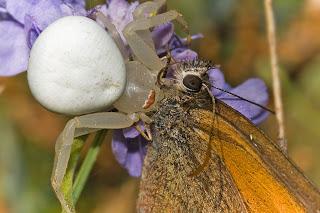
column 192, row 83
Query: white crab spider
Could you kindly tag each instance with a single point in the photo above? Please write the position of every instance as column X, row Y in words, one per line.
column 76, row 68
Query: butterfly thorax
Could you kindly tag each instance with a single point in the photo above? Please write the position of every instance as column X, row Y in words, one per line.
column 176, row 152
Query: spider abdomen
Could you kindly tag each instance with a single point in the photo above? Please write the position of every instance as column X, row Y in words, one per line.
column 75, row 67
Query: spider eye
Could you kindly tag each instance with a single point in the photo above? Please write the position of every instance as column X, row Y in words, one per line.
column 193, row 83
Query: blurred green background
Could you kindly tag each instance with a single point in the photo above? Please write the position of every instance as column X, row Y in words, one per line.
column 234, row 37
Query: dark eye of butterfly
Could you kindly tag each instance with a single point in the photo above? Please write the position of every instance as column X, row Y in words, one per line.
column 193, row 83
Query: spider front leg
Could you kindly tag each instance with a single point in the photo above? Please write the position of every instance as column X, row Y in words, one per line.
column 139, row 46
column 149, row 7
column 103, row 120
column 114, row 34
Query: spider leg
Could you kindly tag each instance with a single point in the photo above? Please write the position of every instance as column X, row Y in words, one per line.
column 114, row 34
column 103, row 120
column 149, row 7
column 146, row 123
column 139, row 46
column 147, row 136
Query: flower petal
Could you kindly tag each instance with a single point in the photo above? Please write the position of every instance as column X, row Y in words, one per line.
column 129, row 153
column 3, row 4
column 4, row 15
column 134, row 164
column 216, row 79
column 174, row 43
column 14, row 51
column 180, row 54
column 119, row 146
column 46, row 12
column 19, row 8
column 132, row 132
column 254, row 90
column 75, row 3
column 258, row 118
column 32, row 30
column 73, row 8
column 162, row 34
column 120, row 13
column 183, row 54
column 135, row 158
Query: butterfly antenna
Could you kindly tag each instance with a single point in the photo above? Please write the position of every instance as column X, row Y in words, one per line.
column 251, row 102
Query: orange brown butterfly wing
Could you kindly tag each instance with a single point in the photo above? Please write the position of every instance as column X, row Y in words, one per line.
column 265, row 177
column 245, row 171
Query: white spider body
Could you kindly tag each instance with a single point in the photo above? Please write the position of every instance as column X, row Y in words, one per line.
column 75, row 67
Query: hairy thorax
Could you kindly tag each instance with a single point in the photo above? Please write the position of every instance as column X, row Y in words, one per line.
column 174, row 160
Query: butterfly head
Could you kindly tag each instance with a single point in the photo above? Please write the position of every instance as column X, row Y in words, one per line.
column 192, row 75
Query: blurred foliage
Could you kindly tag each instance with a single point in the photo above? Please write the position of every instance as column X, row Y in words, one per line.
column 235, row 38
column 92, row 3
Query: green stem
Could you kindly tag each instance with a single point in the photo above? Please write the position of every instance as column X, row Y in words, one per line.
column 87, row 165
column 66, row 186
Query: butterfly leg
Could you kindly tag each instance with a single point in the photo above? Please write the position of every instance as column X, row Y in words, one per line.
column 146, row 123
column 104, row 120
column 212, row 99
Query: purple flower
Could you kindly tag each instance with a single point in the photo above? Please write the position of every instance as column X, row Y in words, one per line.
column 21, row 22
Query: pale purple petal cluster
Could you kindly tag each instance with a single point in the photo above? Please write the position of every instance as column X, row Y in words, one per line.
column 119, row 13
column 21, row 22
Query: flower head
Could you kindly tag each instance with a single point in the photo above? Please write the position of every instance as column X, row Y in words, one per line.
column 22, row 21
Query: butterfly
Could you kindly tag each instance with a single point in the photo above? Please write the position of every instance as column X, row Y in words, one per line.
column 207, row 157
